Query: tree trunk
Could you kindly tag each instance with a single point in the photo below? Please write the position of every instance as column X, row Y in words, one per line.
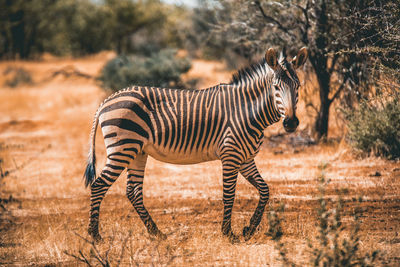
column 321, row 124
column 319, row 60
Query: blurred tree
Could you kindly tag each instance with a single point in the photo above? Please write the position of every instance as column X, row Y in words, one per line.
column 87, row 26
column 170, row 34
column 128, row 17
column 78, row 27
column 198, row 31
column 21, row 25
column 200, row 38
column 334, row 41
column 29, row 28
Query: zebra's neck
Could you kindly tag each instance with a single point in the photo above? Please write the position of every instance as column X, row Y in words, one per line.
column 255, row 83
column 254, row 102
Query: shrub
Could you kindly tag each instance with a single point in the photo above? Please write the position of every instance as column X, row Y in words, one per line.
column 122, row 249
column 331, row 247
column 374, row 126
column 18, row 76
column 276, row 233
column 161, row 69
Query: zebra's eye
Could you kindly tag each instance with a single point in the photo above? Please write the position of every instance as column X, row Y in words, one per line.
column 276, row 87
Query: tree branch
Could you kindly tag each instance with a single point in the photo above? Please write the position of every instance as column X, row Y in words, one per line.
column 336, row 94
column 271, row 19
column 333, row 63
column 306, row 23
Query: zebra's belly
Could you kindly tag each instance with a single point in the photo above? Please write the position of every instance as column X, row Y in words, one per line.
column 179, row 157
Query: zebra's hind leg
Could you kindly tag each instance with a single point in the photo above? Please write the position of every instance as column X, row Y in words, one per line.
column 250, row 172
column 111, row 171
column 134, row 192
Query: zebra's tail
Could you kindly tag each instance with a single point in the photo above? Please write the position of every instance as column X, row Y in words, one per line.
column 90, row 172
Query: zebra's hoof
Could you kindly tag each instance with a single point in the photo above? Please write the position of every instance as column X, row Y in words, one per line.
column 233, row 239
column 161, row 236
column 157, row 234
column 93, row 232
column 247, row 233
column 96, row 237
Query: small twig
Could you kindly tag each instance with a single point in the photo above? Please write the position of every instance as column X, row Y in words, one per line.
column 82, row 257
column 124, row 242
column 15, row 164
column 83, row 238
column 95, row 252
column 110, row 246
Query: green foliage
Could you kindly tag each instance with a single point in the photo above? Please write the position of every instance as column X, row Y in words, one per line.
column 332, row 246
column 209, row 36
column 374, row 126
column 68, row 27
column 161, row 69
column 87, row 27
column 129, row 17
column 79, row 27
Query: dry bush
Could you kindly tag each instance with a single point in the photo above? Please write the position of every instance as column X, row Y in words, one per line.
column 334, row 244
column 17, row 76
column 374, row 126
column 161, row 69
column 121, row 249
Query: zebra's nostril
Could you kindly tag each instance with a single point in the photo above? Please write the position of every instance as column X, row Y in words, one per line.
column 290, row 124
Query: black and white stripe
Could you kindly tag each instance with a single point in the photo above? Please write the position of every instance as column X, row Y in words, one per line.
column 224, row 122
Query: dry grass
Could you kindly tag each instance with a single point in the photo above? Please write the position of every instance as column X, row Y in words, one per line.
column 44, row 132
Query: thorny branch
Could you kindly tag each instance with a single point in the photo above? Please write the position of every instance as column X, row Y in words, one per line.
column 271, row 19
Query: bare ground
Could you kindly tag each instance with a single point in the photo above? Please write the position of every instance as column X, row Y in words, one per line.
column 44, row 133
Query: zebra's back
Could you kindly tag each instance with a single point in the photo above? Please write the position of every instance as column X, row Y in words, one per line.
column 175, row 126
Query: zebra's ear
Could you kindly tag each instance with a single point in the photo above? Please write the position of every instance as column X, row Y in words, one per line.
column 270, row 57
column 301, row 58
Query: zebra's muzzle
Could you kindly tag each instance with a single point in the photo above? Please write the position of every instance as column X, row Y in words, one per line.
column 290, row 124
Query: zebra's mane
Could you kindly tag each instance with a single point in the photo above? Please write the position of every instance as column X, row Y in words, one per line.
column 252, row 72
column 257, row 70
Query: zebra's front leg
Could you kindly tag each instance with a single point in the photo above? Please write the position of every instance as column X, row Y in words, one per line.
column 250, row 172
column 230, row 171
column 134, row 192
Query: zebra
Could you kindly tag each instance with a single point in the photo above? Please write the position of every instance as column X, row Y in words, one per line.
column 224, row 122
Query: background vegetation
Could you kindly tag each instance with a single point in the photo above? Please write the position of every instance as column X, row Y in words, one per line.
column 80, row 27
column 374, row 126
column 161, row 69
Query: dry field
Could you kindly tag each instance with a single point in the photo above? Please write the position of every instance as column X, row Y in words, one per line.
column 44, row 133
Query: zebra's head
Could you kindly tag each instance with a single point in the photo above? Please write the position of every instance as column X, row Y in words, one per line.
column 285, row 85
